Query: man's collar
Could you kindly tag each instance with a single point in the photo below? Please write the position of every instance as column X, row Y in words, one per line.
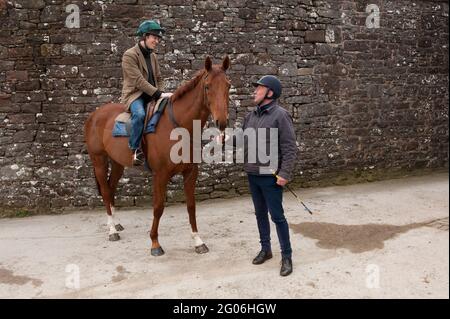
column 265, row 108
column 146, row 52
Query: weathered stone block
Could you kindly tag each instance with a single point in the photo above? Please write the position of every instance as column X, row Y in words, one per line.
column 50, row 50
column 214, row 15
column 361, row 46
column 52, row 13
column 261, row 69
column 29, row 4
column 315, row 36
column 16, row 76
column 304, row 71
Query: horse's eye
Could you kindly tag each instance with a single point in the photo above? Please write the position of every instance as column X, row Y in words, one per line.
column 206, row 87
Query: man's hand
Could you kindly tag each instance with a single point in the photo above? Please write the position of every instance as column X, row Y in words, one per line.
column 168, row 94
column 281, row 181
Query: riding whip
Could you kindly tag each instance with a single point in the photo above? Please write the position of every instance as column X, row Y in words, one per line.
column 295, row 195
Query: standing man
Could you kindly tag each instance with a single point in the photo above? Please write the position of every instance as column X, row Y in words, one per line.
column 266, row 189
column 142, row 81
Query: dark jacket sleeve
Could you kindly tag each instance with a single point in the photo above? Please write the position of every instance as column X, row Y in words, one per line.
column 287, row 144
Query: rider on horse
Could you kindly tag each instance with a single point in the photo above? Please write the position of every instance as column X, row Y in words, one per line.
column 142, row 81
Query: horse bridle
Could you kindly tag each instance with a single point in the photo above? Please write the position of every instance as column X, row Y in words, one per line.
column 205, row 101
column 205, row 91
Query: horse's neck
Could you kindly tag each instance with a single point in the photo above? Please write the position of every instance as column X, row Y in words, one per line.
column 190, row 107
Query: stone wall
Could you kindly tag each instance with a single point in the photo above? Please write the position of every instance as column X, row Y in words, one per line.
column 368, row 91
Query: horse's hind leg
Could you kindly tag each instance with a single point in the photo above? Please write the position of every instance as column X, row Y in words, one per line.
column 190, row 176
column 159, row 196
column 113, row 181
column 100, row 163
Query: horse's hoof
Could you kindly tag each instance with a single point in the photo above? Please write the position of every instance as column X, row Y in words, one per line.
column 114, row 237
column 119, row 227
column 157, row 251
column 201, row 249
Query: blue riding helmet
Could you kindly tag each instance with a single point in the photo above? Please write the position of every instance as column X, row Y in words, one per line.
column 272, row 83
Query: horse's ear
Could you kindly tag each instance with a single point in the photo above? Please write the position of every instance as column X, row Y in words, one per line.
column 226, row 63
column 208, row 63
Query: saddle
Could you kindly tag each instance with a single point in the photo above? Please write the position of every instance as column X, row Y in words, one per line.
column 155, row 109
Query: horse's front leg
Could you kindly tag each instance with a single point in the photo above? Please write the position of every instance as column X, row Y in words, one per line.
column 190, row 177
column 159, row 196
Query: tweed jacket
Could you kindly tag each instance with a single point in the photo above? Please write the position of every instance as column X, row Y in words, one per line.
column 135, row 75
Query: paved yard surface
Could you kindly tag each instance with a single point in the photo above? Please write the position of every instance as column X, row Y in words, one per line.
column 385, row 239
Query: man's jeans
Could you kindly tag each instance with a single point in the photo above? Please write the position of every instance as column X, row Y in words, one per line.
column 267, row 197
column 137, row 109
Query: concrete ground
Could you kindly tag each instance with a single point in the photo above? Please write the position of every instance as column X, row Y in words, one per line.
column 385, row 239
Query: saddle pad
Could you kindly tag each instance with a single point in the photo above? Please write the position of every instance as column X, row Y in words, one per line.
column 154, row 120
column 123, row 117
column 120, row 130
column 122, row 123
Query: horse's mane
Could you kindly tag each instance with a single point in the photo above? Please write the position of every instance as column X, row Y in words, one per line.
column 188, row 86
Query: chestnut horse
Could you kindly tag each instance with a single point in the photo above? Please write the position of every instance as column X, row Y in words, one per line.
column 207, row 93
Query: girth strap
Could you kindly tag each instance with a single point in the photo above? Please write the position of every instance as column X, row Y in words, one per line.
column 171, row 115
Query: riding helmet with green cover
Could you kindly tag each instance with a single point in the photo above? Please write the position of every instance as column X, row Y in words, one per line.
column 150, row 27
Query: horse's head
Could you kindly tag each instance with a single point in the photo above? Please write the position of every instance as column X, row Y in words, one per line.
column 217, row 87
